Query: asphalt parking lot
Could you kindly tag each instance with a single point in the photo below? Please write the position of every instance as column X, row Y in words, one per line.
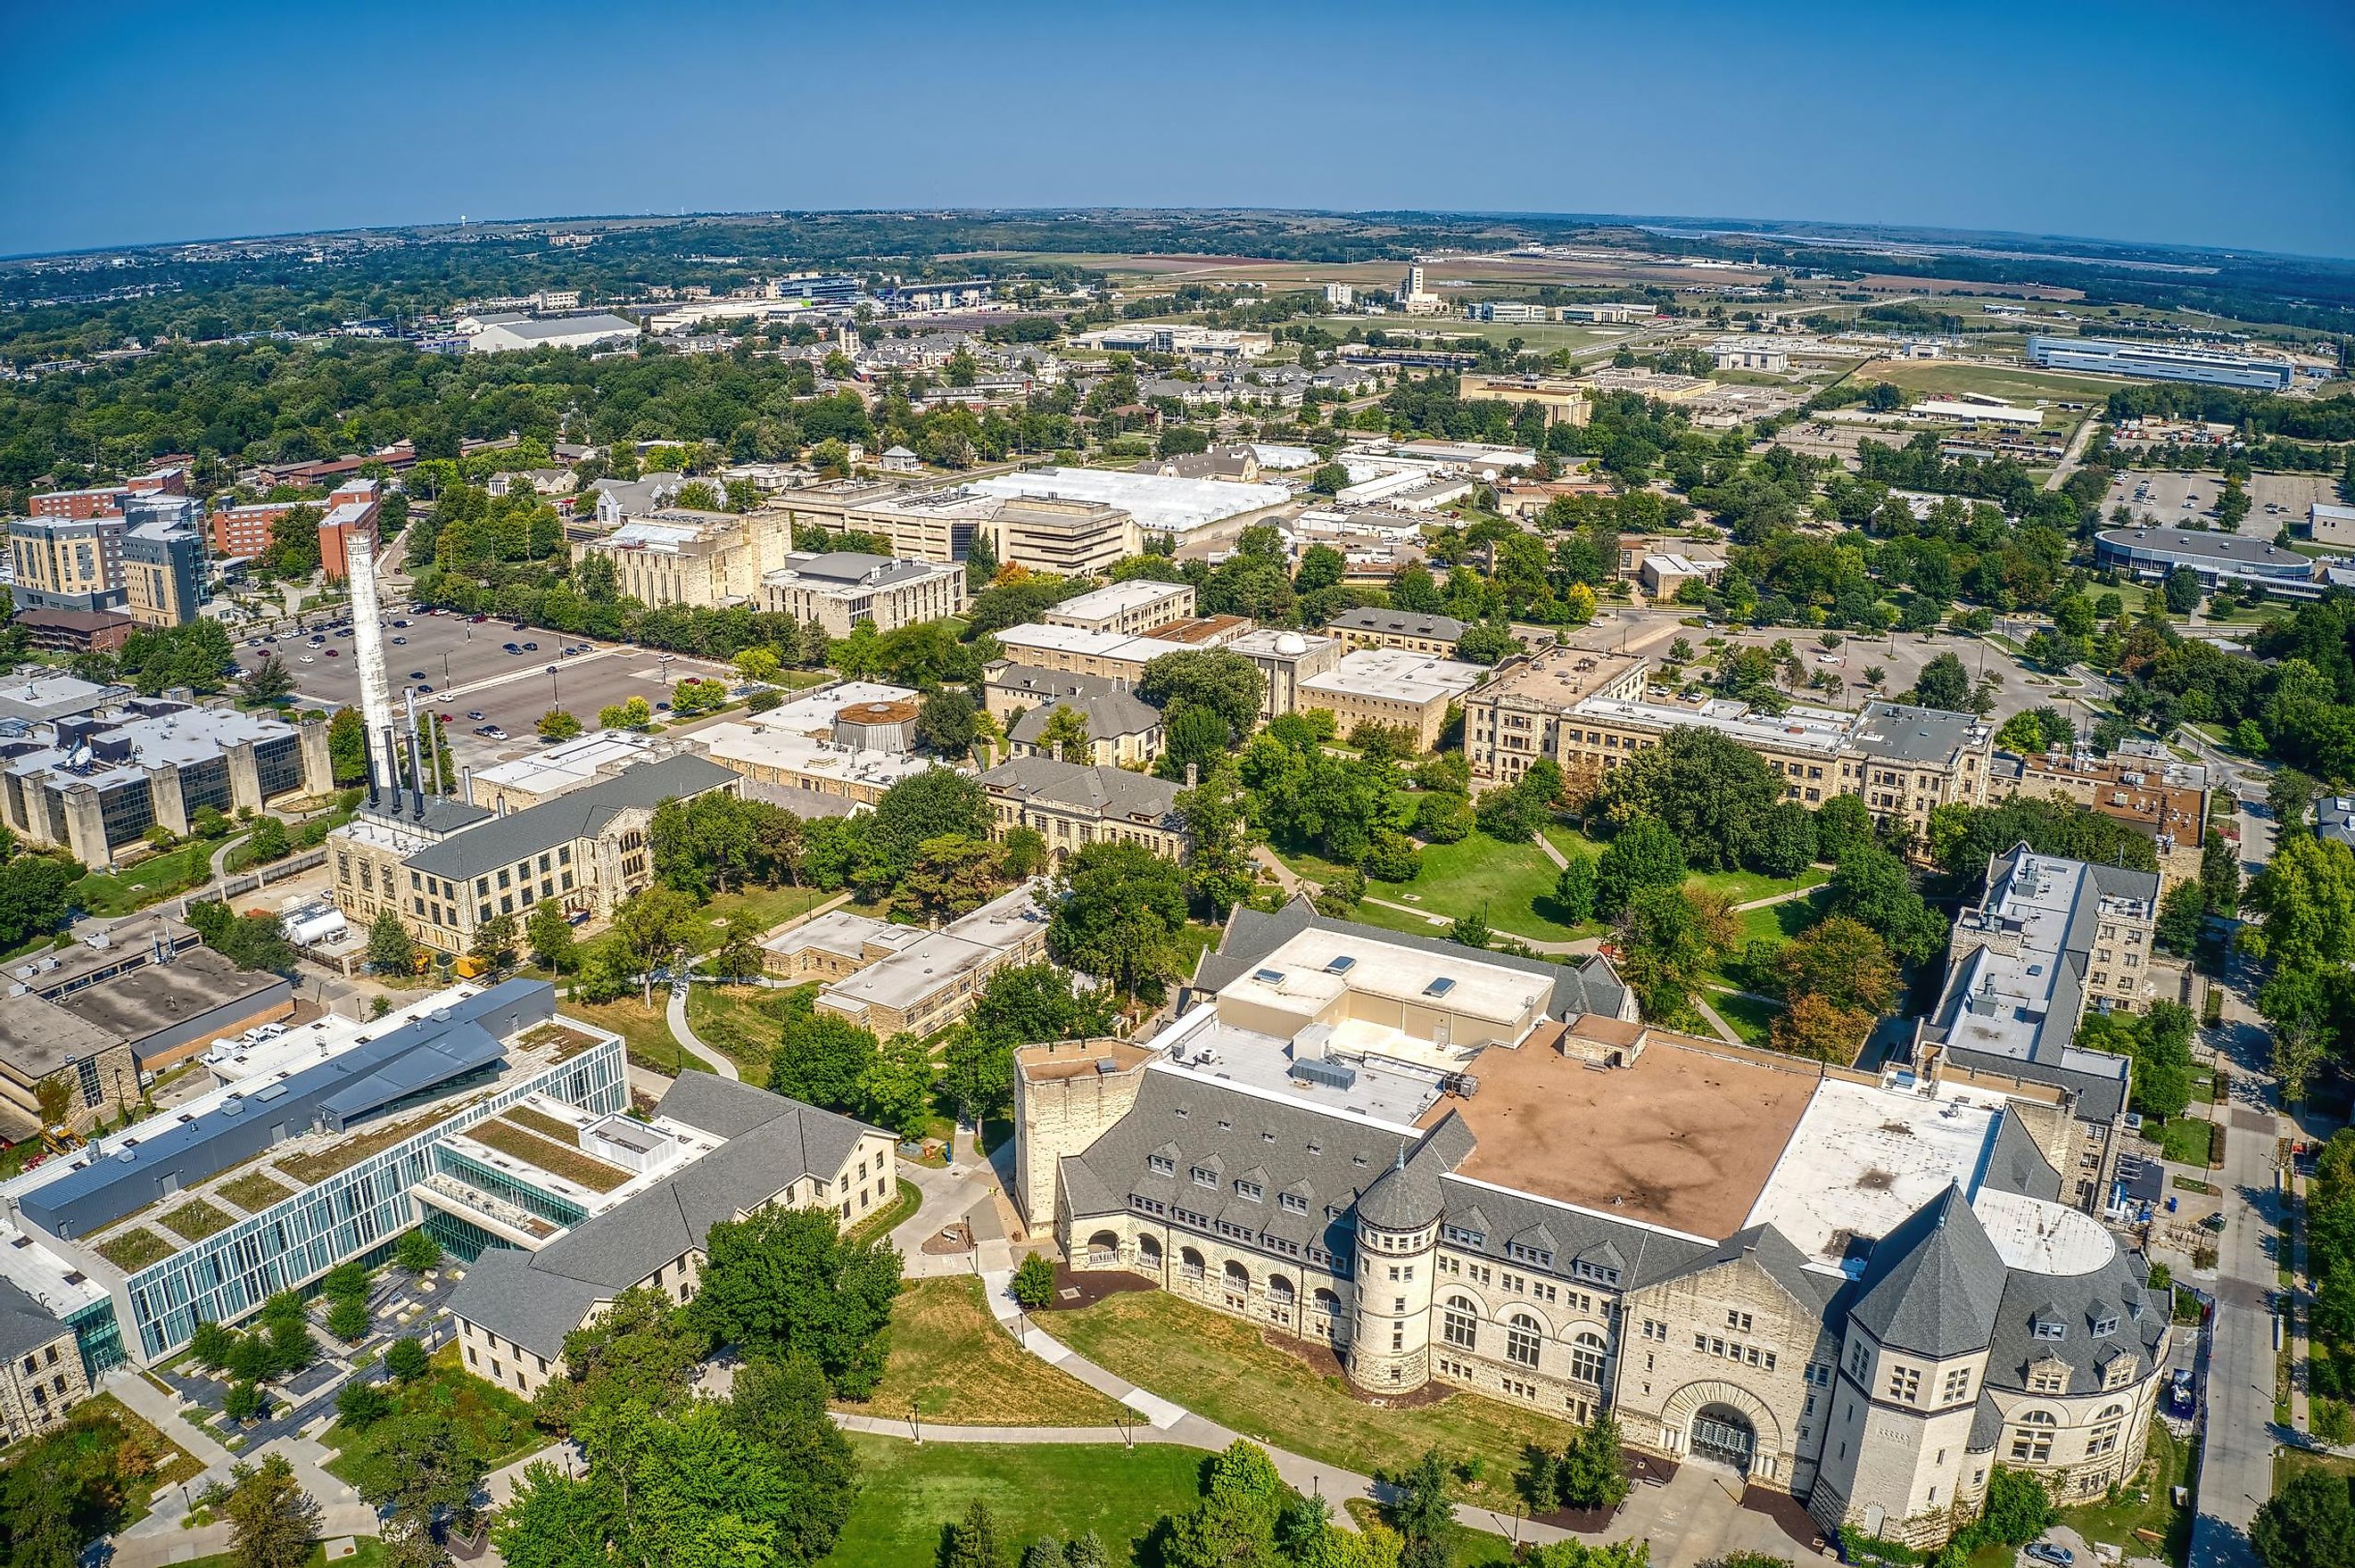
column 1901, row 659
column 2156, row 496
column 468, row 667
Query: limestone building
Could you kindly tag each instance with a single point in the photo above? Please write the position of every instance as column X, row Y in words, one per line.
column 1284, row 659
column 1589, row 713
column 699, row 560
column 1073, row 805
column 95, row 783
column 41, row 1372
column 843, row 588
column 2164, row 799
column 1123, row 729
column 1460, row 1168
column 1131, row 608
column 893, row 978
column 713, row 1151
column 1436, row 635
column 1391, row 686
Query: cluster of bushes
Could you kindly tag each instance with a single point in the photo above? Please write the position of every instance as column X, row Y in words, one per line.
column 2330, row 1253
column 1589, row 1472
column 361, row 1404
column 279, row 1345
column 2018, row 1510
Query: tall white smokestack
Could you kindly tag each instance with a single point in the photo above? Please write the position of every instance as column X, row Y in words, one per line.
column 368, row 652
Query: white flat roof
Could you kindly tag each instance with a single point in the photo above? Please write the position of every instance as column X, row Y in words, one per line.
column 1079, row 640
column 1514, row 999
column 1160, row 505
column 1862, row 1158
column 1801, row 727
column 575, row 762
column 1397, row 673
column 1118, row 597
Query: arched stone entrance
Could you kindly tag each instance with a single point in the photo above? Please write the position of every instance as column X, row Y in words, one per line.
column 1722, row 1433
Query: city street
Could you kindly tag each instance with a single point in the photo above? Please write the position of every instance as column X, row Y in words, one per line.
column 2236, row 1472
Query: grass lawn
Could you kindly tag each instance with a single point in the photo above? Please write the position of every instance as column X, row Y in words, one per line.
column 500, row 1422
column 2185, row 1141
column 1743, row 886
column 367, row 1550
column 643, row 1028
column 906, row 1493
column 744, row 1023
column 1372, row 913
column 1222, row 1368
column 1511, row 885
column 172, row 1463
column 2148, row 1504
column 2289, row 1462
column 961, row 1369
column 1748, row 1016
column 155, row 879
column 2020, row 384
column 766, row 907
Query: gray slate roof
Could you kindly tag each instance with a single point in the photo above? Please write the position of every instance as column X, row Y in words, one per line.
column 25, row 1324
column 1046, row 685
column 2118, row 1290
column 2017, row 1164
column 578, row 814
column 1933, row 1284
column 1108, row 714
column 1590, row 987
column 773, row 1142
column 1397, row 623
column 1103, row 792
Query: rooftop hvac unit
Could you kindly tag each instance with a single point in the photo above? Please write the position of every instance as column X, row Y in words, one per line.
column 1330, row 1074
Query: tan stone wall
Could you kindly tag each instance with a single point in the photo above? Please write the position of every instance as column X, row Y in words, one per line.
column 1058, row 1114
column 40, row 1386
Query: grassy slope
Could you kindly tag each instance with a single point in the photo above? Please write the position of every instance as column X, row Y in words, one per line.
column 950, row 1357
column 907, row 1493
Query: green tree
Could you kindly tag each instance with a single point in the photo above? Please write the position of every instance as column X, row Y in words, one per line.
column 638, row 1360
column 390, row 949
column 1235, row 1523
column 405, row 1359
column 1643, row 854
column 347, row 1320
column 972, row 1542
column 952, row 875
column 1843, row 961
column 929, row 804
column 1705, row 788
column 784, row 1282
column 267, row 681
column 2290, row 796
column 2296, row 1003
column 1667, row 937
column 1943, row 684
column 1034, row 1282
column 1226, row 683
column 2182, row 916
column 2304, row 901
column 417, row 1465
column 268, row 841
column 1421, row 1513
column 361, row 1406
column 1872, row 887
column 1220, row 870
column 896, row 1092
column 651, row 925
column 2019, row 1509
column 495, row 939
column 1593, row 1473
column 1119, row 915
column 822, row 1058
column 2182, row 590
column 348, row 758
column 1575, row 889
column 272, row 1521
column 1065, row 735
column 949, row 722
column 2308, row 1523
column 417, row 1251
column 549, row 936
column 1470, row 930
column 557, row 725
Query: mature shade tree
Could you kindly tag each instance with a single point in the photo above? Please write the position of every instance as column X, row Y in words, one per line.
column 548, row 934
column 822, row 1058
column 640, row 1352
column 1668, row 938
column 1872, row 887
column 1844, row 962
column 896, row 1091
column 1643, row 854
column 35, row 898
column 1119, row 916
column 1943, row 684
column 1575, row 888
column 952, row 875
column 2304, row 901
column 1192, row 735
column 2308, row 1523
column 1963, row 837
column 2290, row 796
column 1219, row 870
column 1226, row 683
column 785, row 1282
column 1023, row 1005
column 1783, row 842
column 928, row 804
column 268, row 682
column 949, row 722
column 1705, row 788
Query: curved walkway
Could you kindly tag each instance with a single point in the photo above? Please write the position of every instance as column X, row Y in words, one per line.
column 681, row 1032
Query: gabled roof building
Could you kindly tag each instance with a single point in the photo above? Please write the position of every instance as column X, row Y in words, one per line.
column 1460, row 1168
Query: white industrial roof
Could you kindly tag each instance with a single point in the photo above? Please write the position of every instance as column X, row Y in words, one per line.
column 1160, row 505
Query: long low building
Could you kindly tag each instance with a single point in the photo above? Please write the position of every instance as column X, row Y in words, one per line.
column 843, row 589
column 1187, row 510
column 1074, row 804
column 2216, row 557
column 311, row 1148
column 2163, row 362
column 1587, row 712
column 1455, row 1171
column 905, row 980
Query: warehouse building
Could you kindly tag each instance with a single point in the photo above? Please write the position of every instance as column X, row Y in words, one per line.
column 2163, row 362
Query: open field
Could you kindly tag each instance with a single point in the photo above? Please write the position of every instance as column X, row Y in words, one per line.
column 952, row 1362
column 741, row 1022
column 1223, row 1368
column 645, row 1030
column 906, row 1493
column 2016, row 384
column 1511, row 885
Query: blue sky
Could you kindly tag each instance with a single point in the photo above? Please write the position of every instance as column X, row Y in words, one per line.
column 134, row 121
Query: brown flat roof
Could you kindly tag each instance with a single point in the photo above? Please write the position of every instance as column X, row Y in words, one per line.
column 1685, row 1138
column 1203, row 629
column 1077, row 1057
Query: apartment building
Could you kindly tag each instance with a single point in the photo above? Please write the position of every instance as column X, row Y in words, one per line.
column 347, row 524
column 1459, row 1169
column 712, row 1150
column 1074, row 804
column 65, row 563
column 109, row 499
column 843, row 588
column 1394, row 687
column 587, row 848
column 161, row 560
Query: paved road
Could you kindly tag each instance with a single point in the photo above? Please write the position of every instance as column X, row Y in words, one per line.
column 679, row 1031
column 2236, row 1459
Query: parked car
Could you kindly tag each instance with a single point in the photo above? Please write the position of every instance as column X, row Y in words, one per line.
column 2050, row 1551
column 308, row 659
column 531, row 647
column 335, row 653
column 475, row 713
column 510, row 647
column 427, row 687
column 495, row 732
column 400, row 640
column 2178, row 1391
column 417, row 675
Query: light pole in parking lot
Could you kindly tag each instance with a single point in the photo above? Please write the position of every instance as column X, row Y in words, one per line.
column 553, row 701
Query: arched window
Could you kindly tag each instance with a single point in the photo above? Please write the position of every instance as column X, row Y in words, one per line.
column 1522, row 1337
column 1148, row 1251
column 1238, row 1285
column 1586, row 1353
column 1189, row 1264
column 2107, row 1428
column 1459, row 1324
column 2031, row 1440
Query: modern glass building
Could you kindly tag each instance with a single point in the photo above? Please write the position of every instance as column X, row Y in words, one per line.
column 2162, row 362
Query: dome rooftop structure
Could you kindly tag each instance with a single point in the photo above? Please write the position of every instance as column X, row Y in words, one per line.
column 1291, row 644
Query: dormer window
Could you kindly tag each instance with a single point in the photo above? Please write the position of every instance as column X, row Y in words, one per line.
column 1293, row 1203
column 1205, row 1177
column 1161, row 1165
column 2052, row 1328
column 2104, row 1327
column 1250, row 1189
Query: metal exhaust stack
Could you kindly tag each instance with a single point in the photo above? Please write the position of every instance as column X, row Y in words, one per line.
column 368, row 652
